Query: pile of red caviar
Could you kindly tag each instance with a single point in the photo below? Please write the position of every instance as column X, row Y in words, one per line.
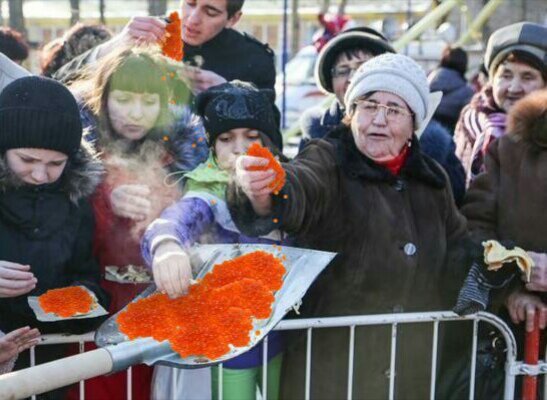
column 256, row 150
column 216, row 313
column 172, row 46
column 67, row 302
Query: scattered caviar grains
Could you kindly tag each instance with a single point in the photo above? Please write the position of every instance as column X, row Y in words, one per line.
column 275, row 220
column 285, row 196
column 172, row 74
column 194, row 145
column 200, row 139
column 166, row 138
column 218, row 311
column 163, row 78
column 67, row 302
column 213, row 202
column 209, row 165
column 173, row 102
column 256, row 150
column 172, row 45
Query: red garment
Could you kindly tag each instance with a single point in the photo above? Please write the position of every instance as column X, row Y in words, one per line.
column 117, row 242
column 332, row 25
column 394, row 165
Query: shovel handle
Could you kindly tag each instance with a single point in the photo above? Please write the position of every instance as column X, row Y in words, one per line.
column 55, row 374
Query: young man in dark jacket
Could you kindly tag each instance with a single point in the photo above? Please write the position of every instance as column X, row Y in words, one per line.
column 210, row 42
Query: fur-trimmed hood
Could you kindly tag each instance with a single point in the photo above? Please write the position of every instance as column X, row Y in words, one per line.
column 82, row 175
column 528, row 118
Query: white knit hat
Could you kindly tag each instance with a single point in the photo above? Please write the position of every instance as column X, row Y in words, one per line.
column 399, row 75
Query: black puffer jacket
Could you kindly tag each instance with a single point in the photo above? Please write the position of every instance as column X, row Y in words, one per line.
column 50, row 228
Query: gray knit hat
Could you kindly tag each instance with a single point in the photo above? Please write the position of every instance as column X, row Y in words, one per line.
column 523, row 36
column 397, row 74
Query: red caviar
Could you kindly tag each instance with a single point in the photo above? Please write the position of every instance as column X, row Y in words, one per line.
column 66, row 302
column 172, row 46
column 256, row 150
column 217, row 312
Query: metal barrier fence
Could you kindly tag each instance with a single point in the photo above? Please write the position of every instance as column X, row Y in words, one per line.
column 512, row 366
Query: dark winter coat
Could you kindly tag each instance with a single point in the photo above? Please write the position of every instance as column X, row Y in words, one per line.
column 230, row 54
column 396, row 239
column 507, row 201
column 50, row 228
column 456, row 95
column 435, row 141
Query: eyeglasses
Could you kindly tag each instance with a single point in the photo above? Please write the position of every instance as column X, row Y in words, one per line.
column 343, row 72
column 392, row 113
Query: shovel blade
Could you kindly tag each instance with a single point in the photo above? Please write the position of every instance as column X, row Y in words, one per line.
column 302, row 265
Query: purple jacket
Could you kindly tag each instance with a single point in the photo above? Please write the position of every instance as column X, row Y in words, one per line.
column 204, row 218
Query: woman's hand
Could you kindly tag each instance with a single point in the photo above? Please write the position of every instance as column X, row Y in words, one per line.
column 538, row 277
column 15, row 279
column 523, row 306
column 17, row 341
column 172, row 269
column 130, row 201
column 255, row 184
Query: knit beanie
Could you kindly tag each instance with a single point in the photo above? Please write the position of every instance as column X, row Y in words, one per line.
column 527, row 37
column 236, row 105
column 397, row 74
column 363, row 38
column 41, row 113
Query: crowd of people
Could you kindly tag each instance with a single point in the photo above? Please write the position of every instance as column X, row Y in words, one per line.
column 117, row 155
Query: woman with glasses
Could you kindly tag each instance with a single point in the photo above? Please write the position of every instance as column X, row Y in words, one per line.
column 368, row 193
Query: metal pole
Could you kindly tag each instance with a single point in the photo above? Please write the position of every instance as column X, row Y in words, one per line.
column 429, row 20
column 284, row 57
column 481, row 18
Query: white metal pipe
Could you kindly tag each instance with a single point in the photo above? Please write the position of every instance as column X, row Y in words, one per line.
column 265, row 369
column 82, row 383
column 350, row 363
column 308, row 364
column 128, row 383
column 434, row 360
column 473, row 361
column 392, row 361
column 220, row 383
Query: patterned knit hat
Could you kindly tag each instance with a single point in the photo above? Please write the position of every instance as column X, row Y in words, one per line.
column 397, row 74
column 235, row 105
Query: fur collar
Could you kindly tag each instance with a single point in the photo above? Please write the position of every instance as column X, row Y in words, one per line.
column 82, row 175
column 355, row 164
column 528, row 118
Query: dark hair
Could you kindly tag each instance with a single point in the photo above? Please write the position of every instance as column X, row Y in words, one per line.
column 353, row 52
column 233, row 6
column 454, row 58
column 524, row 57
column 77, row 40
column 13, row 44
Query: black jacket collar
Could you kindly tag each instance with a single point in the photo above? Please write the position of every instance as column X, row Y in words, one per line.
column 356, row 165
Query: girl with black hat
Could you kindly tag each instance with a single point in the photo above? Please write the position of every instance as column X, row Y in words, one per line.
column 235, row 115
column 46, row 220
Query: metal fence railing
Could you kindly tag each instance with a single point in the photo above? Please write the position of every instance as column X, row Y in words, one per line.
column 513, row 367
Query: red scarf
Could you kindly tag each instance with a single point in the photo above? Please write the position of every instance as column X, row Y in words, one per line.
column 395, row 164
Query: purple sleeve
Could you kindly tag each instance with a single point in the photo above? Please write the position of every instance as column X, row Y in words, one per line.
column 183, row 222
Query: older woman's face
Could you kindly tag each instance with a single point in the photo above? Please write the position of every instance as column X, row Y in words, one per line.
column 514, row 80
column 379, row 133
column 133, row 114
